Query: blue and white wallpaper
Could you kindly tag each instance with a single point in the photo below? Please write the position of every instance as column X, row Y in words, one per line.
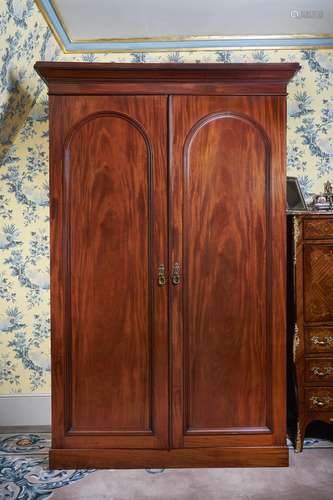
column 24, row 218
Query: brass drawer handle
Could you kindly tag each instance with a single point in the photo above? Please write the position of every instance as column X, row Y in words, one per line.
column 325, row 342
column 176, row 276
column 325, row 372
column 161, row 276
column 322, row 401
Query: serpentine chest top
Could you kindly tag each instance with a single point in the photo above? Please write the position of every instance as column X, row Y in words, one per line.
column 311, row 317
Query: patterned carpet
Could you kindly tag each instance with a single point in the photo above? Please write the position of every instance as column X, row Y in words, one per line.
column 24, row 472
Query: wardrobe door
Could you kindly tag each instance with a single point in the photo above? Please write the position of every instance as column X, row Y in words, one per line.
column 109, row 239
column 228, row 381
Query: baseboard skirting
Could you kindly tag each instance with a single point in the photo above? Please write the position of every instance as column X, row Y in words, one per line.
column 25, row 410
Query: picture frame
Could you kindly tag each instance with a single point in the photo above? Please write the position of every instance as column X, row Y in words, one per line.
column 295, row 198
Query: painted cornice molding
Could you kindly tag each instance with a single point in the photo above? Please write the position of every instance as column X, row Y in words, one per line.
column 70, row 45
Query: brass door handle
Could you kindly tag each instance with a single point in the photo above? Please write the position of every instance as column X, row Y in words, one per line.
column 161, row 277
column 176, row 275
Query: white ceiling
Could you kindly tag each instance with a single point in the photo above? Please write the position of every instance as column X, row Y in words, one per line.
column 105, row 19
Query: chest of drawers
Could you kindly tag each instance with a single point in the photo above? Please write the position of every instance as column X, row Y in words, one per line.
column 310, row 318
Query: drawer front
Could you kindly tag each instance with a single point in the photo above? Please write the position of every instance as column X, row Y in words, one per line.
column 319, row 398
column 318, row 339
column 318, row 228
column 319, row 370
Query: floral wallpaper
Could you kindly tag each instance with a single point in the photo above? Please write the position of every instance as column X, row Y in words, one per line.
column 24, row 218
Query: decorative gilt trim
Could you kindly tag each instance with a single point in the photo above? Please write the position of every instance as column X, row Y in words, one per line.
column 321, row 341
column 296, row 341
column 297, row 234
column 321, row 401
column 322, row 372
column 77, row 49
column 299, row 442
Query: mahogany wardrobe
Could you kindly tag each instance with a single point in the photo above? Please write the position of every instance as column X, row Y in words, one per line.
column 167, row 199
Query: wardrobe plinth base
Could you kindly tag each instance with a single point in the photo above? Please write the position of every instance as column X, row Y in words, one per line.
column 273, row 456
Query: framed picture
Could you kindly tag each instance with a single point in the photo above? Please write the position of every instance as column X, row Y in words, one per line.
column 295, row 199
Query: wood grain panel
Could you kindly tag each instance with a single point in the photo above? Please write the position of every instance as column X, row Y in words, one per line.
column 108, row 160
column 318, row 282
column 114, row 341
column 225, row 259
column 221, row 231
